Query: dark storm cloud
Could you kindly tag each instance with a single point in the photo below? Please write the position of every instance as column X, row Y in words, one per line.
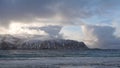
column 28, row 10
column 24, row 10
column 86, row 8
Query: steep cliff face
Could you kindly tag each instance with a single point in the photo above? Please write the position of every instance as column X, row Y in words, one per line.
column 16, row 43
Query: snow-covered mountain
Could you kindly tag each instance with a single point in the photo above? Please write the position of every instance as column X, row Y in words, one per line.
column 11, row 42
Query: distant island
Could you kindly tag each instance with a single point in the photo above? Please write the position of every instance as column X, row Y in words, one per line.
column 17, row 43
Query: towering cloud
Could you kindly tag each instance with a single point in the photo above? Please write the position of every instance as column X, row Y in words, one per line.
column 53, row 31
column 97, row 36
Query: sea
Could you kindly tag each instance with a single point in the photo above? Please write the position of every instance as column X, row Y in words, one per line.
column 93, row 58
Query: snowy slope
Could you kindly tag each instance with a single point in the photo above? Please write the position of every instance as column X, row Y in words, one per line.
column 31, row 43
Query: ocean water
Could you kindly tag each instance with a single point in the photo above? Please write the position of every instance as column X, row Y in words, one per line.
column 60, row 58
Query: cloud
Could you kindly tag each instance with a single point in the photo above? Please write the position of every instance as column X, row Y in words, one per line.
column 51, row 16
column 116, row 25
column 28, row 11
column 24, row 10
column 97, row 36
column 53, row 31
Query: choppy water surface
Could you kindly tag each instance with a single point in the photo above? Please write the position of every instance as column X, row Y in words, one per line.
column 59, row 58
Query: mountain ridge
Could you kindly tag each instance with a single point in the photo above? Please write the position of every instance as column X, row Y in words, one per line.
column 28, row 44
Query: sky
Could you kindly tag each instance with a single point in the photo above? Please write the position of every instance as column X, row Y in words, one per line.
column 95, row 22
